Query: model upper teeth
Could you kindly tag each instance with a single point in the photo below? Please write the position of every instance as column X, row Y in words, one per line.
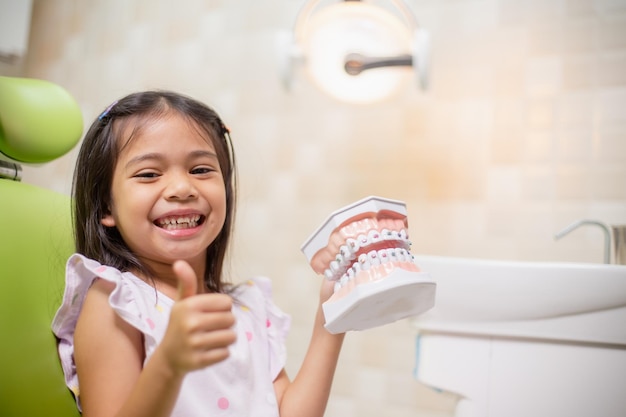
column 179, row 222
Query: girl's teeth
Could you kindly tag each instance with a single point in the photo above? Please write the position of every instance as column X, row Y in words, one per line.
column 184, row 222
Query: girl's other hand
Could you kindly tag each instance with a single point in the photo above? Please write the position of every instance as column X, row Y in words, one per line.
column 200, row 327
column 327, row 290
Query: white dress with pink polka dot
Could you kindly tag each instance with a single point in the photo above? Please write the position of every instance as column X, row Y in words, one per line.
column 242, row 385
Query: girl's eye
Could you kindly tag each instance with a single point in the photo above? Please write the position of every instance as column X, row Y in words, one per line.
column 202, row 170
column 146, row 175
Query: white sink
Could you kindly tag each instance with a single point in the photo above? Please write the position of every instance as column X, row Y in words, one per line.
column 474, row 289
column 536, row 299
column 518, row 339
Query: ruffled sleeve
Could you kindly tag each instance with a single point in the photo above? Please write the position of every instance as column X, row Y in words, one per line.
column 278, row 324
column 80, row 274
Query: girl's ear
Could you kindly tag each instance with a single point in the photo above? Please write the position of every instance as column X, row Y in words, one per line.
column 108, row 220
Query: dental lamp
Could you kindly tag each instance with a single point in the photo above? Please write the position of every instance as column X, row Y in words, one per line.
column 356, row 51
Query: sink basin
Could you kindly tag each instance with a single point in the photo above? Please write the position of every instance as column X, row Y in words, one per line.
column 490, row 290
column 553, row 300
column 525, row 338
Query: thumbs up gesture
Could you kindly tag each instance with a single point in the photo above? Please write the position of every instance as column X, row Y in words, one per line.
column 200, row 327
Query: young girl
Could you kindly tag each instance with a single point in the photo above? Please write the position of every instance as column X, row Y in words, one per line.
column 148, row 325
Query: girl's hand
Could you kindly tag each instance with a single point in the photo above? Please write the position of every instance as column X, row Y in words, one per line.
column 327, row 290
column 200, row 327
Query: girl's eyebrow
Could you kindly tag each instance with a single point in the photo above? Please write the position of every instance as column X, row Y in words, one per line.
column 202, row 154
column 155, row 156
column 145, row 157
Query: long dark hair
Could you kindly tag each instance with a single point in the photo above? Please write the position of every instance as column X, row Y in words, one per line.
column 96, row 162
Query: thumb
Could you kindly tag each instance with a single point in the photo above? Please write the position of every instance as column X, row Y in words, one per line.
column 187, row 280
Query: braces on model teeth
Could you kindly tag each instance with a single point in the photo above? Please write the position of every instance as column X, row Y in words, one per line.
column 348, row 253
column 365, row 249
column 367, row 261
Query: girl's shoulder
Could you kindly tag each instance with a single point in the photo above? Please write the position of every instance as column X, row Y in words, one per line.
column 111, row 293
column 127, row 294
column 259, row 286
column 255, row 296
column 83, row 271
column 257, row 314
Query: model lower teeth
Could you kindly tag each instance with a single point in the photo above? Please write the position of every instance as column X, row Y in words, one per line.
column 388, row 245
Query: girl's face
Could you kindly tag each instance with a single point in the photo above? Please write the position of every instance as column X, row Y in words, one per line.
column 168, row 198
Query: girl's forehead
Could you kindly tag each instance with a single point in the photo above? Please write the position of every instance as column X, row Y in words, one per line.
column 155, row 130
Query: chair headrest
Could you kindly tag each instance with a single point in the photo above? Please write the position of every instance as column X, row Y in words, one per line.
column 39, row 121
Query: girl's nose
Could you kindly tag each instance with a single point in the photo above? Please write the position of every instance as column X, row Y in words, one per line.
column 180, row 187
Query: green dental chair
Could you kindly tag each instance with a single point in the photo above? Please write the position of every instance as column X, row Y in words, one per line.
column 39, row 121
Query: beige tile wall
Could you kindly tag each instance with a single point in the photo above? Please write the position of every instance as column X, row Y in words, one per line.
column 522, row 131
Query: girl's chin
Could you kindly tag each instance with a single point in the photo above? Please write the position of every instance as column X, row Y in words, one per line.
column 167, row 256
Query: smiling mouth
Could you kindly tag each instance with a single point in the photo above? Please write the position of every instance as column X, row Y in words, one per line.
column 180, row 222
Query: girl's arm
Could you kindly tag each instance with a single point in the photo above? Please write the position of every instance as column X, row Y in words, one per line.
column 109, row 352
column 308, row 394
column 109, row 357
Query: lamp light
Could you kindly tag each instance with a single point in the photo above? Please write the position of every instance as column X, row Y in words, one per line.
column 357, row 51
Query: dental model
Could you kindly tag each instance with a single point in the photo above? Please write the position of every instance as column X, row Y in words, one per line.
column 365, row 249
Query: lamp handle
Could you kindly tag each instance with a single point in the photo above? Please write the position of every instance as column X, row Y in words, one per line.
column 357, row 63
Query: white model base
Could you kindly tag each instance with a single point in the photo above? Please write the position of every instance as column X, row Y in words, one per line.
column 400, row 295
